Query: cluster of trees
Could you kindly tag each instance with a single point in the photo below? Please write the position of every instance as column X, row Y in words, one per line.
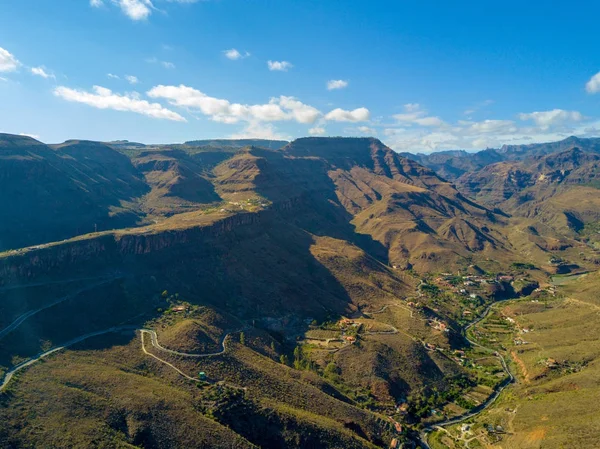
column 302, row 361
column 421, row 403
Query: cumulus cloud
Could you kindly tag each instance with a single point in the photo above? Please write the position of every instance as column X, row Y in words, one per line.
column 40, row 71
column 256, row 130
column 336, row 84
column 341, row 115
column 234, row 54
column 490, row 133
column 555, row 117
column 103, row 98
column 281, row 66
column 131, row 79
column 593, row 85
column 8, row 62
column 316, row 131
column 277, row 109
column 414, row 115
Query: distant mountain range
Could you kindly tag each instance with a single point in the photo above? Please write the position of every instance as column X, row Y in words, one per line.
column 454, row 163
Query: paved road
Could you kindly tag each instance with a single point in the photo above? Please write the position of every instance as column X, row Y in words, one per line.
column 11, row 327
column 489, row 401
column 156, row 344
column 9, row 375
column 153, row 339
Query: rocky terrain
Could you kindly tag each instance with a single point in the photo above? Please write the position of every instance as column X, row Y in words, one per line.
column 304, row 294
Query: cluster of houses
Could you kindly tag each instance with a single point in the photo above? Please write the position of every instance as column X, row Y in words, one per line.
column 236, row 205
column 459, row 356
column 345, row 324
column 439, row 325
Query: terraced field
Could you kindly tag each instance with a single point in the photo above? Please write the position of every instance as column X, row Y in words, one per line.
column 554, row 351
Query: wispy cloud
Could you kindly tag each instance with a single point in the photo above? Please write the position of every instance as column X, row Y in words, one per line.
column 165, row 64
column 317, row 131
column 134, row 9
column 256, row 130
column 8, row 62
column 415, row 115
column 279, row 66
column 103, row 98
column 131, row 79
column 40, row 71
column 234, row 54
column 336, row 84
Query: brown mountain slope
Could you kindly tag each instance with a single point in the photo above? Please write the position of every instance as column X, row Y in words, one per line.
column 559, row 189
column 422, row 220
column 52, row 194
column 453, row 164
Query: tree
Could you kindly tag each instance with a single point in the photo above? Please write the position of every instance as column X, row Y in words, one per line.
column 242, row 338
column 165, row 294
column 284, row 359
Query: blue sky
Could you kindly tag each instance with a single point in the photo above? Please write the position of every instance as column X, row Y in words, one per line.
column 421, row 76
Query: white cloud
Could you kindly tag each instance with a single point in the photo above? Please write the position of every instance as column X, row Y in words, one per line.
column 316, row 131
column 366, row 130
column 492, row 126
column 131, row 79
column 593, row 85
column 136, row 9
column 165, row 64
column 555, row 117
column 477, row 107
column 110, row 75
column 336, row 84
column 8, row 62
column 103, row 98
column 341, row 115
column 412, row 107
column 234, row 54
column 40, row 71
column 277, row 109
column 414, row 114
column 259, row 131
column 281, row 66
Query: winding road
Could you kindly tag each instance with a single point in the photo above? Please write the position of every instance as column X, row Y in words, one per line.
column 153, row 340
column 491, row 398
column 10, row 374
column 16, row 323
